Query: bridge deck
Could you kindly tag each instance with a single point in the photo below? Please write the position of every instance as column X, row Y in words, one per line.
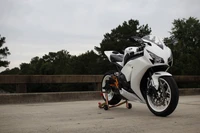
column 86, row 117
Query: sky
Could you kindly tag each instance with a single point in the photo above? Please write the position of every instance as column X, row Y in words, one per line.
column 36, row 27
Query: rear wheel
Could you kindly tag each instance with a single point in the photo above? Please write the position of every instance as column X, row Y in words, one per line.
column 163, row 102
column 113, row 98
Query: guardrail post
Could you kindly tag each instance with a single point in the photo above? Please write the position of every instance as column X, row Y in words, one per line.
column 21, row 88
column 98, row 86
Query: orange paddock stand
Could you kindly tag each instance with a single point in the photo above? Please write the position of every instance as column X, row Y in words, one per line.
column 106, row 105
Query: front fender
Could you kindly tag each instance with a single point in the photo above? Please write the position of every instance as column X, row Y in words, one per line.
column 156, row 76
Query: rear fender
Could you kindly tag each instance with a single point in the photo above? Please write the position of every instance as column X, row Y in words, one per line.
column 108, row 53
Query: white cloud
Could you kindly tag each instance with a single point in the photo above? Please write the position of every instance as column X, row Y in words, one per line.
column 36, row 27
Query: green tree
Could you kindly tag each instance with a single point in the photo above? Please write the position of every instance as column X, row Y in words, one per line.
column 26, row 69
column 4, row 52
column 86, row 63
column 49, row 64
column 57, row 63
column 12, row 71
column 184, row 41
column 118, row 38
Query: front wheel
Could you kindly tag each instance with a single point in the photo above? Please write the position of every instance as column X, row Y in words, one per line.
column 163, row 102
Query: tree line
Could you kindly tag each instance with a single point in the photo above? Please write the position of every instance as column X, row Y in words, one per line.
column 184, row 42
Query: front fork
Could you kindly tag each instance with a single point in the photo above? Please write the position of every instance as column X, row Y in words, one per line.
column 151, row 87
column 157, row 95
column 155, row 78
column 153, row 81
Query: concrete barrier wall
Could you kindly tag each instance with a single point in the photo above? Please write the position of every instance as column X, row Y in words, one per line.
column 18, row 98
column 48, row 97
column 189, row 91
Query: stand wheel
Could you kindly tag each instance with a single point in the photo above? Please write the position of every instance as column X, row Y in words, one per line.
column 129, row 106
column 105, row 107
column 99, row 105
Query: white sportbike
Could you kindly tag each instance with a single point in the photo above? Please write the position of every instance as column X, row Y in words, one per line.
column 142, row 76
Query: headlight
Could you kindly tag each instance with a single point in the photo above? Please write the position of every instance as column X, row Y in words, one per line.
column 170, row 60
column 155, row 58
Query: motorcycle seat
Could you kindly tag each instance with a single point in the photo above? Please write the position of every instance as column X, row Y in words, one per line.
column 116, row 57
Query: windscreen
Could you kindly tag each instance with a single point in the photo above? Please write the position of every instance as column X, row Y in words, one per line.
column 154, row 39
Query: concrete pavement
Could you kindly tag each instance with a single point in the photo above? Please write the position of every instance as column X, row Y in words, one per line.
column 86, row 117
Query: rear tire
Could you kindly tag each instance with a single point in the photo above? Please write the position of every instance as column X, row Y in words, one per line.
column 113, row 98
column 168, row 90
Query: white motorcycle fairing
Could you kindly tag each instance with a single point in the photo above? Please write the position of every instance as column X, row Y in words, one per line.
column 135, row 68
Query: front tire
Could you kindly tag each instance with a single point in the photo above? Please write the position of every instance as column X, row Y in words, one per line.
column 165, row 100
column 113, row 98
